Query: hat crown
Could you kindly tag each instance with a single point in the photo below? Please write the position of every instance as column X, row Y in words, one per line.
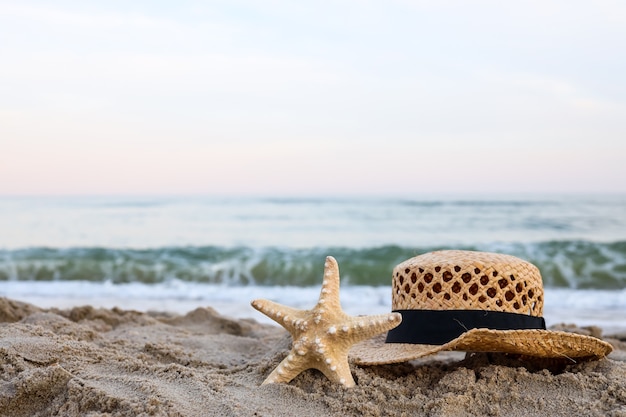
column 467, row 280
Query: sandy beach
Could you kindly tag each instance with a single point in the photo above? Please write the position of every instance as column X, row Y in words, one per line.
column 87, row 361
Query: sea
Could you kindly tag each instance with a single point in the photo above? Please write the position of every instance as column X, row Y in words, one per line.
column 177, row 253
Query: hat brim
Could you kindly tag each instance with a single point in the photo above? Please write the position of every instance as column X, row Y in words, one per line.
column 539, row 343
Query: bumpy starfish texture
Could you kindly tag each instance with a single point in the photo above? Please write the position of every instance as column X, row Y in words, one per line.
column 323, row 336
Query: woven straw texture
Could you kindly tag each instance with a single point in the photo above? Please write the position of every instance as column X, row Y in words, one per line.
column 538, row 343
column 465, row 280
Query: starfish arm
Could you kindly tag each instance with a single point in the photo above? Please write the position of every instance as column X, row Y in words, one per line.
column 288, row 369
column 288, row 317
column 364, row 327
column 338, row 371
column 335, row 367
column 329, row 296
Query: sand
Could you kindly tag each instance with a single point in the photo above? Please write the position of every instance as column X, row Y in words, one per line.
column 111, row 362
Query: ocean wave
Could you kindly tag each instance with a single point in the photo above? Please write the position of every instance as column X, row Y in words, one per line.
column 563, row 264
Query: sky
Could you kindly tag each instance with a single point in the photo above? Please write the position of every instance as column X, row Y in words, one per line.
column 272, row 97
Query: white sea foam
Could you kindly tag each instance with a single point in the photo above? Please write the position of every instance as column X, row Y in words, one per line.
column 604, row 308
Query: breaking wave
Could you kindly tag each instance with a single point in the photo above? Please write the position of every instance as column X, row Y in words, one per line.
column 563, row 264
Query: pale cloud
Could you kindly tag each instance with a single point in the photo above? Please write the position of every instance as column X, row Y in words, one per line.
column 82, row 20
column 287, row 97
column 255, row 71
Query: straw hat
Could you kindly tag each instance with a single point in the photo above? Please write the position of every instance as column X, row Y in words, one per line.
column 472, row 302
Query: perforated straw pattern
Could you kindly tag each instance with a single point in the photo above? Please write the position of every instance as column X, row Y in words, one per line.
column 466, row 280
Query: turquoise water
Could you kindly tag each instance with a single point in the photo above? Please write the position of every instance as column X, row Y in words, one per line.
column 571, row 264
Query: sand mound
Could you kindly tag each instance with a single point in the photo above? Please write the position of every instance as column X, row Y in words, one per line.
column 97, row 362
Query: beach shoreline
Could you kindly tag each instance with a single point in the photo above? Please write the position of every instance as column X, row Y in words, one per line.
column 562, row 305
column 113, row 361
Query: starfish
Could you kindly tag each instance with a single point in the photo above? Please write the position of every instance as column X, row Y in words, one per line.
column 323, row 335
